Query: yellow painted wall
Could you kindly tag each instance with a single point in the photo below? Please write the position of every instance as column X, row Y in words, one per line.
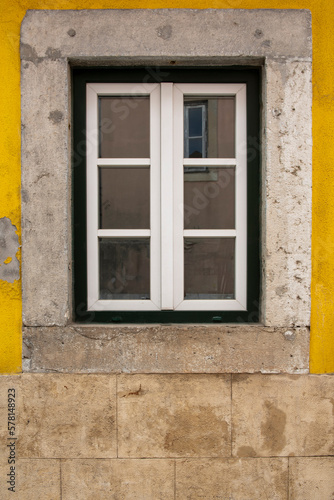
column 322, row 317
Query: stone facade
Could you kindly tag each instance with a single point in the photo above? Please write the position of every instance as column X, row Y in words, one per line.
column 149, row 437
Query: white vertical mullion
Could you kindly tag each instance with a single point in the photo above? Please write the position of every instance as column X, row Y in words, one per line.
column 166, row 196
column 178, row 197
column 155, row 125
column 241, row 198
column 92, row 197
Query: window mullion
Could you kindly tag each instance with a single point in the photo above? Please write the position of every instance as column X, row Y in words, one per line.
column 167, row 237
column 178, row 197
column 155, row 133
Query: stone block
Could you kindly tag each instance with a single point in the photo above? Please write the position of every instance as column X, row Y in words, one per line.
column 123, row 479
column 9, row 382
column 167, row 32
column 282, row 415
column 224, row 479
column 35, row 480
column 287, row 213
column 174, row 415
column 167, row 349
column 45, row 184
column 65, row 416
column 311, row 478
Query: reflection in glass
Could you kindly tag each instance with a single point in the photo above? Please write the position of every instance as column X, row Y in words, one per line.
column 209, row 268
column 124, row 127
column 209, row 127
column 124, row 198
column 124, row 268
column 209, row 198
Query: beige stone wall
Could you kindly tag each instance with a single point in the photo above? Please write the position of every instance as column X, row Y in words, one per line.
column 163, row 436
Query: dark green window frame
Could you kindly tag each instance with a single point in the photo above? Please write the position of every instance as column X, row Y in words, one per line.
column 251, row 77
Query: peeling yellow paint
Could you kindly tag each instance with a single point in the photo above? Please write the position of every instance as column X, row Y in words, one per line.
column 322, row 318
column 8, row 260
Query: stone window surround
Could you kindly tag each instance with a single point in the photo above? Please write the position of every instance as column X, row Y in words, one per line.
column 277, row 40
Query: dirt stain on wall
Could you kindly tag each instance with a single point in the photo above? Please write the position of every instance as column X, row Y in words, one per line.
column 194, row 429
column 273, row 428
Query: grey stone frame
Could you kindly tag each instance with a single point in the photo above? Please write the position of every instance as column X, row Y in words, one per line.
column 277, row 40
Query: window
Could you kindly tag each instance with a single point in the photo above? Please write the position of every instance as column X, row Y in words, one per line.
column 279, row 90
column 167, row 197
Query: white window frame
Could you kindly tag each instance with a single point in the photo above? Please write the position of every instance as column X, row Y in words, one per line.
column 240, row 164
column 166, row 165
column 94, row 91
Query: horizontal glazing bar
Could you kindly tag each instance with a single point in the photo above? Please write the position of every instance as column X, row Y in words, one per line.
column 210, row 233
column 217, row 162
column 124, row 233
column 120, row 162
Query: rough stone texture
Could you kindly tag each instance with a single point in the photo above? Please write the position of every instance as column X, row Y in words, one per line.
column 166, row 349
column 118, row 479
column 45, row 234
column 183, row 422
column 9, row 246
column 241, row 479
column 168, row 32
column 287, row 212
column 283, row 415
column 311, row 478
column 8, row 382
column 174, row 415
column 67, row 416
column 280, row 40
column 35, row 480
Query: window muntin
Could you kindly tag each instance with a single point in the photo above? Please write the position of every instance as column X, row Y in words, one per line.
column 172, row 287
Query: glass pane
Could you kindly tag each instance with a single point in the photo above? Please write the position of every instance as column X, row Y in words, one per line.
column 195, row 148
column 209, row 268
column 212, row 121
column 195, row 121
column 209, row 198
column 124, row 268
column 124, row 125
column 124, row 198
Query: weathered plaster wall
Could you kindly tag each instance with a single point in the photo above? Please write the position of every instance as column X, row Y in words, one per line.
column 322, row 322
